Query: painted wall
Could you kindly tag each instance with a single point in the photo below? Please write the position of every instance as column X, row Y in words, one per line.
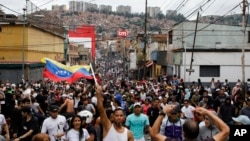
column 230, row 65
column 213, row 36
column 37, row 44
column 43, row 44
column 209, row 37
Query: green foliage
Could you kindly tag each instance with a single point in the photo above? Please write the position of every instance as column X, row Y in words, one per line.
column 160, row 16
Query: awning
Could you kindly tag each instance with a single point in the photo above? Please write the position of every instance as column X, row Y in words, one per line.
column 149, row 63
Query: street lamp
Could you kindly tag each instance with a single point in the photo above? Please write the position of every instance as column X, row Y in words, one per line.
column 185, row 58
column 24, row 20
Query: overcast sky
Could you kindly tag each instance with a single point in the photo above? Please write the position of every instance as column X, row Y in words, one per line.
column 212, row 7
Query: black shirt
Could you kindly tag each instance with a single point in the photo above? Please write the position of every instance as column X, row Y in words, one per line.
column 30, row 125
column 16, row 121
column 91, row 130
column 153, row 114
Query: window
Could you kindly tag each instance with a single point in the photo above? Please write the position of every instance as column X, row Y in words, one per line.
column 209, row 71
column 85, row 57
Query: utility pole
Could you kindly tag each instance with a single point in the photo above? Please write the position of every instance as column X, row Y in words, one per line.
column 243, row 46
column 23, row 61
column 66, row 44
column 124, row 57
column 145, row 39
column 192, row 57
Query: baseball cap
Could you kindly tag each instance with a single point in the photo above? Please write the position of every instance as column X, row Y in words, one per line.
column 137, row 104
column 53, row 108
column 242, row 119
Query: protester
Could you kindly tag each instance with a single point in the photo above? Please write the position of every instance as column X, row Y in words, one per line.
column 106, row 122
column 55, row 125
column 76, row 132
column 187, row 110
column 16, row 120
column 153, row 111
column 241, row 120
column 227, row 111
column 87, row 119
column 172, row 124
column 209, row 129
column 29, row 123
column 137, row 122
column 69, row 105
column 246, row 110
column 190, row 127
column 4, row 125
column 112, row 131
column 41, row 137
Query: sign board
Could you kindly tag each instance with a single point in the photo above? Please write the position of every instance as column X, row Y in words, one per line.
column 122, row 33
column 189, row 70
column 84, row 35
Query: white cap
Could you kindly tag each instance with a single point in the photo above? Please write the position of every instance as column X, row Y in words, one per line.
column 137, row 104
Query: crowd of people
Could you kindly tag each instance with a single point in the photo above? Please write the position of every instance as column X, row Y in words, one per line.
column 121, row 110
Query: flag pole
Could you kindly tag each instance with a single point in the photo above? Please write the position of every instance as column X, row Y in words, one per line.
column 92, row 70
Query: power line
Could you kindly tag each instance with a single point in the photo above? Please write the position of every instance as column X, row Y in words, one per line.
column 212, row 22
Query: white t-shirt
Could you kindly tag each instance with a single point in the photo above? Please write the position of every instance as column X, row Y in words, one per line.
column 77, row 100
column 73, row 135
column 3, row 95
column 35, row 106
column 54, row 126
column 94, row 100
column 2, row 122
column 201, row 124
column 188, row 111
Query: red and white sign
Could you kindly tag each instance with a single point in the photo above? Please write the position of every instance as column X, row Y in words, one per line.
column 122, row 33
column 84, row 35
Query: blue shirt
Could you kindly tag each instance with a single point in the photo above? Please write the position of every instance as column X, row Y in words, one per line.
column 136, row 124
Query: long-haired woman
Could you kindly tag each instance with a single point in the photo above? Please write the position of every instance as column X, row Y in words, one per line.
column 76, row 132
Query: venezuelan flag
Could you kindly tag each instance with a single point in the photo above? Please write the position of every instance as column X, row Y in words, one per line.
column 59, row 72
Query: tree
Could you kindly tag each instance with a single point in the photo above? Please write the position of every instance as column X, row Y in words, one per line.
column 160, row 16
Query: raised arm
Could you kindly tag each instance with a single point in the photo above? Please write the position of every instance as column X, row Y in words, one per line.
column 155, row 130
column 106, row 124
column 63, row 105
column 224, row 129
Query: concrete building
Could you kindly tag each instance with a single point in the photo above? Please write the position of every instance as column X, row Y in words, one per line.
column 59, row 8
column 216, row 53
column 81, row 6
column 73, row 6
column 91, row 6
column 154, row 11
column 73, row 55
column 123, row 9
column 106, row 8
column 23, row 45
